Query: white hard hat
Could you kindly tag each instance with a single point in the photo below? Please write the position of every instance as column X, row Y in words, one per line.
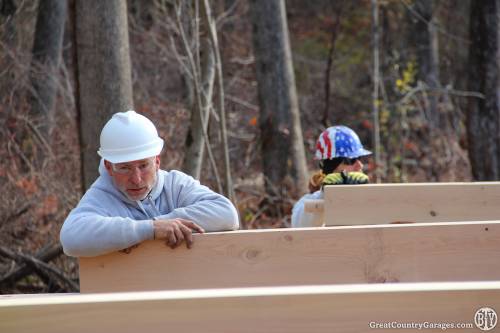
column 129, row 136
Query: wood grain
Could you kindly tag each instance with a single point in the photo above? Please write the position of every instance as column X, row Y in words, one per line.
column 422, row 202
column 345, row 308
column 460, row 251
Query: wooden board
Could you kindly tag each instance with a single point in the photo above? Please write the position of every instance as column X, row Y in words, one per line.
column 345, row 308
column 316, row 207
column 462, row 251
column 425, row 202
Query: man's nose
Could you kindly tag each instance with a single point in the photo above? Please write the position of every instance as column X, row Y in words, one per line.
column 135, row 177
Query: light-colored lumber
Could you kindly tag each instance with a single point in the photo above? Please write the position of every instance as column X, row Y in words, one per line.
column 461, row 251
column 341, row 308
column 422, row 202
column 316, row 207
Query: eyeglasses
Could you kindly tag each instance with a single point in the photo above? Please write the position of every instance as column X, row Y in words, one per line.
column 128, row 169
column 350, row 161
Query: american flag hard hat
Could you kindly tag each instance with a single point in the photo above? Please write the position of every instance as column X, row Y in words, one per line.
column 339, row 141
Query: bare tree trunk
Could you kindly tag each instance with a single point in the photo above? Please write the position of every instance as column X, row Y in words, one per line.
column 281, row 132
column 143, row 12
column 45, row 63
column 201, row 79
column 424, row 35
column 376, row 88
column 222, row 113
column 104, row 73
column 8, row 9
column 483, row 128
column 195, row 141
column 325, row 121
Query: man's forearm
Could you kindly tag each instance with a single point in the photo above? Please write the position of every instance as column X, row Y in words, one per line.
column 93, row 235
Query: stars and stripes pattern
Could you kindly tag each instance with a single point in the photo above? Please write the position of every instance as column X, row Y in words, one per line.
column 339, row 141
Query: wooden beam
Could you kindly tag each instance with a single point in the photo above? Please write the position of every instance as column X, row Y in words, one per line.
column 341, row 308
column 316, row 207
column 424, row 202
column 461, row 251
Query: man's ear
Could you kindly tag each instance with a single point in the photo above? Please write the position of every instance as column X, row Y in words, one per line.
column 157, row 162
column 109, row 167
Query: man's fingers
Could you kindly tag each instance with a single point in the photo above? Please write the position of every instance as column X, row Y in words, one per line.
column 198, row 228
column 193, row 226
column 177, row 230
column 178, row 235
column 188, row 235
column 171, row 239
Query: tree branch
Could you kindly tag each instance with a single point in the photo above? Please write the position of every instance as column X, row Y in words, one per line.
column 40, row 267
column 220, row 84
column 198, row 92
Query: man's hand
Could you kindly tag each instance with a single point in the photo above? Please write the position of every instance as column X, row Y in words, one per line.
column 175, row 231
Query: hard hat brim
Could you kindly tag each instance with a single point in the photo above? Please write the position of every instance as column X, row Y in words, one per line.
column 122, row 157
column 361, row 153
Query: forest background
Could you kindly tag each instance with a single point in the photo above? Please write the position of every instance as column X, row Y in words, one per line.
column 240, row 91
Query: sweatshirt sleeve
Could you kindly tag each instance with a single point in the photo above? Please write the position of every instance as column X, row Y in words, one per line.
column 300, row 218
column 196, row 202
column 90, row 230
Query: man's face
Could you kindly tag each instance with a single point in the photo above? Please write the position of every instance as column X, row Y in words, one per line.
column 135, row 179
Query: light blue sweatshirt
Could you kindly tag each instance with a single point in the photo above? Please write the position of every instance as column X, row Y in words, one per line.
column 300, row 218
column 105, row 220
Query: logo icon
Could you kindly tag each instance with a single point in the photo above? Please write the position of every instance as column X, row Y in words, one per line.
column 485, row 319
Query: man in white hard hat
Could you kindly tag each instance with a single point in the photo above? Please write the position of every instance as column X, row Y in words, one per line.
column 134, row 200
